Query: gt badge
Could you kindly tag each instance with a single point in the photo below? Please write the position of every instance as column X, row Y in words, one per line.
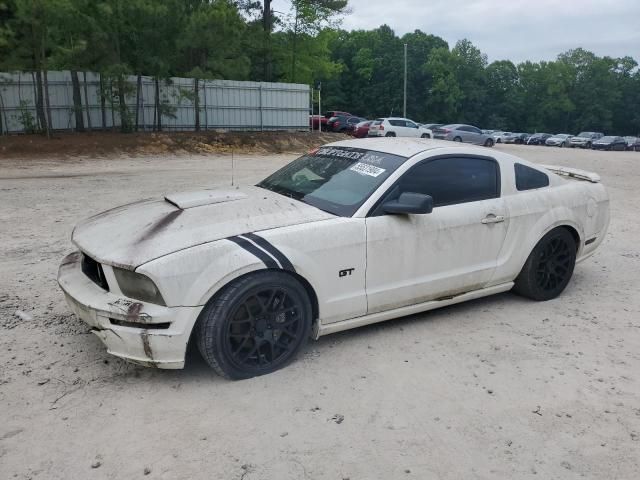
column 346, row 272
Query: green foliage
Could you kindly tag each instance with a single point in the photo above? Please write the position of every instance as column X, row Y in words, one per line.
column 26, row 118
column 578, row 91
column 361, row 71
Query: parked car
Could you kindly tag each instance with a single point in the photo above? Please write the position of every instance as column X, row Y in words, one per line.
column 322, row 120
column 538, row 138
column 632, row 143
column 609, row 142
column 558, row 140
column 347, row 235
column 397, row 127
column 337, row 113
column 343, row 123
column 317, row 122
column 585, row 139
column 459, row 132
column 361, row 130
column 517, row 138
column 500, row 137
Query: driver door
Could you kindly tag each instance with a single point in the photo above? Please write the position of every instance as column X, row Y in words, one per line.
column 416, row 258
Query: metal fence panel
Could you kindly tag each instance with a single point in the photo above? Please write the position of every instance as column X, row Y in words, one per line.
column 223, row 104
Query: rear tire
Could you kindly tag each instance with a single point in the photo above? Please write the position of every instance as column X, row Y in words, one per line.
column 255, row 325
column 457, row 139
column 390, row 134
column 549, row 267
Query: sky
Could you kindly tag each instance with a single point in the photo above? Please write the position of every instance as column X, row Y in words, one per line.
column 515, row 30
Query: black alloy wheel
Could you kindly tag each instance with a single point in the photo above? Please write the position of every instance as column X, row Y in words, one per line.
column 549, row 267
column 554, row 261
column 256, row 326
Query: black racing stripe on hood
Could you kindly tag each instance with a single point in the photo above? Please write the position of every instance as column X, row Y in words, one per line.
column 272, row 250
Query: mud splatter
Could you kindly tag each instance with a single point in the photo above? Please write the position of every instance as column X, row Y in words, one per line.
column 160, row 225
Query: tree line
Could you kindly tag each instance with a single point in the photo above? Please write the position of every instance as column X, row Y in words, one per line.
column 360, row 71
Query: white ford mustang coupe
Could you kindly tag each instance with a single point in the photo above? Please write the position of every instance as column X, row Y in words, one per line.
column 352, row 233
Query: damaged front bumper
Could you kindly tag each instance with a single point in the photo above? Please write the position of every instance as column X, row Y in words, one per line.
column 143, row 333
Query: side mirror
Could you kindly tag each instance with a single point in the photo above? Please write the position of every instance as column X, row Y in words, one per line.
column 409, row 203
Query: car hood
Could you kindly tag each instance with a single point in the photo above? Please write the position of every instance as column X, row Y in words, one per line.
column 133, row 234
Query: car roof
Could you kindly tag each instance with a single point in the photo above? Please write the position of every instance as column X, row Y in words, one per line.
column 403, row 146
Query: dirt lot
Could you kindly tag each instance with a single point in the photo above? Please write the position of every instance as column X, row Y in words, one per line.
column 496, row 388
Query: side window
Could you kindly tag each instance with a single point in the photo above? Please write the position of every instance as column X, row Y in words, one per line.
column 411, row 124
column 397, row 123
column 528, row 178
column 454, row 180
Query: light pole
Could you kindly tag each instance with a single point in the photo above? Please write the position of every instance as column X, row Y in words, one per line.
column 319, row 107
column 404, row 110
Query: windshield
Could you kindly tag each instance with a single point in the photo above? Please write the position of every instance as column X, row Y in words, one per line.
column 334, row 179
column 585, row 134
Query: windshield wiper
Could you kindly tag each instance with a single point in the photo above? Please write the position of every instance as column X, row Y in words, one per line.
column 282, row 191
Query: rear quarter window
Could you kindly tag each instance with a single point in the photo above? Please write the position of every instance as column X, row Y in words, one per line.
column 528, row 178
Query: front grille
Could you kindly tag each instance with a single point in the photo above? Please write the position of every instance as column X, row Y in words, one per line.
column 93, row 270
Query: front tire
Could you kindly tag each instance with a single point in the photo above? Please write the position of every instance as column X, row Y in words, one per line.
column 425, row 135
column 488, row 142
column 255, row 325
column 549, row 267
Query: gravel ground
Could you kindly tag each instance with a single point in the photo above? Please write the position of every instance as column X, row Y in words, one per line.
column 496, row 388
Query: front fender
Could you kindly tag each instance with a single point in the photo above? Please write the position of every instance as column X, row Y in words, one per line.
column 192, row 276
column 329, row 255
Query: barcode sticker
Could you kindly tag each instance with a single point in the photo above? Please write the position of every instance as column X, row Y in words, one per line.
column 365, row 169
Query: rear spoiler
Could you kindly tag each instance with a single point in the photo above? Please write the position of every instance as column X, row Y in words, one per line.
column 574, row 173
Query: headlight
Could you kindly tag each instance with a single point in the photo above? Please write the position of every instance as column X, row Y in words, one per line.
column 138, row 286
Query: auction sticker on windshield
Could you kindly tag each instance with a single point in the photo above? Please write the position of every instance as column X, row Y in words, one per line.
column 366, row 169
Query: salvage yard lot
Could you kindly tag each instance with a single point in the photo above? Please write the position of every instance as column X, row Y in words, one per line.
column 500, row 387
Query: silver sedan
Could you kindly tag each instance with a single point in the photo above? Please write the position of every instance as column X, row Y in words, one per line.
column 459, row 132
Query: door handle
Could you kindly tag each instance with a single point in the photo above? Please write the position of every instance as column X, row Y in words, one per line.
column 491, row 218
